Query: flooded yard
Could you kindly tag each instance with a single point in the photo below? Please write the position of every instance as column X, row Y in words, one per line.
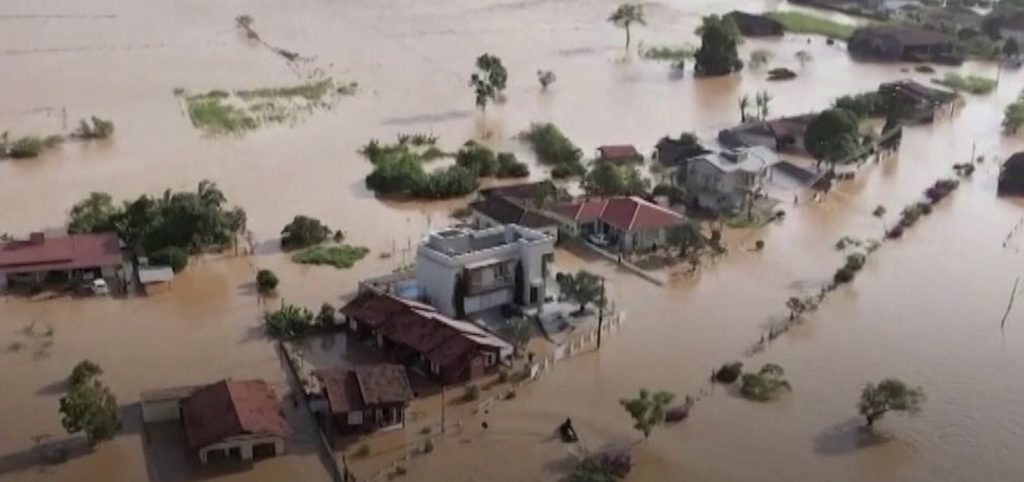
column 926, row 308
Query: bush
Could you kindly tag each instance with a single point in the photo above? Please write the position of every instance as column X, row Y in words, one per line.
column 454, row 181
column 288, row 321
column 477, row 158
column 172, row 256
column 843, row 275
column 397, row 174
column 607, row 467
column 765, row 385
column 97, row 129
column 471, row 393
column 266, row 280
column 572, row 169
column 509, row 166
column 729, row 372
column 341, row 256
column 551, row 146
column 326, row 318
column 26, row 147
column 855, row 261
column 84, row 371
column 303, row 231
column 971, row 83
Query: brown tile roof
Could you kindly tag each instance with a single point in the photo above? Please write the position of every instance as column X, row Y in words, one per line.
column 365, row 386
column 906, row 35
column 231, row 408
column 373, row 309
column 76, row 251
column 517, row 192
column 504, row 211
column 621, row 152
column 625, row 213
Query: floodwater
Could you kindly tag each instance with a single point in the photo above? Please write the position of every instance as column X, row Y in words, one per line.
column 926, row 308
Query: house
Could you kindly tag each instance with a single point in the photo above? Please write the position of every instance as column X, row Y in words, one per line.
column 531, row 195
column 723, row 181
column 1011, row 176
column 239, row 419
column 365, row 398
column 619, row 154
column 487, row 268
column 69, row 258
column 752, row 25
column 903, row 43
column 916, row 102
column 627, row 223
column 419, row 336
column 675, row 152
column 785, row 134
column 496, row 210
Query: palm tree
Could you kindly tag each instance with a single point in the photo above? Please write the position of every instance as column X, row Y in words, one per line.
column 761, row 100
column 626, row 15
column 744, row 104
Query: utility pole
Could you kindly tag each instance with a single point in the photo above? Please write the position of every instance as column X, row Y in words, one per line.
column 444, row 404
column 600, row 315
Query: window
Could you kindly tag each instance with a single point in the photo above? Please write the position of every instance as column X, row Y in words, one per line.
column 435, row 368
column 489, row 359
column 355, row 418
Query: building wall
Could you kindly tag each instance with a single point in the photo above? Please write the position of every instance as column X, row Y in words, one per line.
column 161, row 411
column 245, row 444
column 716, row 189
column 436, row 281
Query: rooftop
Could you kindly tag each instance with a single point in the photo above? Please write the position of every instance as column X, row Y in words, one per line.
column 460, row 241
column 905, row 34
column 625, row 213
column 76, row 251
column 619, row 152
column 365, row 386
column 752, row 159
column 504, row 211
column 232, row 408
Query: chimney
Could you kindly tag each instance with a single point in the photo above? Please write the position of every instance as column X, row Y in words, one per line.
column 36, row 238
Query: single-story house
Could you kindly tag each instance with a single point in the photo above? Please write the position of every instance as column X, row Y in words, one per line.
column 60, row 258
column 903, row 43
column 675, row 152
column 365, row 398
column 239, row 419
column 418, row 335
column 916, row 101
column 164, row 404
column 1011, row 176
column 752, row 25
column 527, row 194
column 619, row 154
column 723, row 181
column 497, row 210
column 628, row 223
column 785, row 134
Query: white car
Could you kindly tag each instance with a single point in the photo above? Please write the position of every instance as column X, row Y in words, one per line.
column 598, row 239
column 99, row 287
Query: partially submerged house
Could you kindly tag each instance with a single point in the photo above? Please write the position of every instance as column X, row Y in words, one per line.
column 619, row 154
column 365, row 398
column 419, row 336
column 903, row 43
column 753, row 25
column 1011, row 176
column 483, row 269
column 785, row 134
column 234, row 419
column 675, row 152
column 493, row 210
column 916, row 102
column 628, row 223
column 725, row 181
column 70, row 258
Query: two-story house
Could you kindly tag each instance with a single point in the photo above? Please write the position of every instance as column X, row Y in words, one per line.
column 725, row 180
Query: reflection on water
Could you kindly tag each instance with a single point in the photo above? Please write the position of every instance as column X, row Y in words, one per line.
column 926, row 308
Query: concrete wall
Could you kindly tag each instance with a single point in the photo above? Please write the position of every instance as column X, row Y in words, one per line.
column 245, row 444
column 161, row 410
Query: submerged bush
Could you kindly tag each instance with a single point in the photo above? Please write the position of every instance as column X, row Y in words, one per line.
column 729, row 372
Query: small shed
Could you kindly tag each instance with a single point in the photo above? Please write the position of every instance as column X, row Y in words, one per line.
column 163, row 404
column 619, row 154
column 1011, row 176
column 752, row 25
column 155, row 278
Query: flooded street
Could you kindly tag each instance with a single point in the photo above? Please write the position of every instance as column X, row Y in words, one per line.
column 926, row 308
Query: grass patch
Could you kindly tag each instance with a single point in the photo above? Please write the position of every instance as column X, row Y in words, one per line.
column 663, row 52
column 312, row 91
column 340, row 256
column 215, row 116
column 971, row 83
column 798, row 22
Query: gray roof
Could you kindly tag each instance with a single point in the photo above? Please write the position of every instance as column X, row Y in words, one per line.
column 750, row 159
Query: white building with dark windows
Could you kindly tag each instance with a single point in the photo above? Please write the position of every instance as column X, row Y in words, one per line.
column 483, row 269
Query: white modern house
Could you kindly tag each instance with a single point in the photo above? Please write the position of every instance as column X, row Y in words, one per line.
column 723, row 180
column 483, row 269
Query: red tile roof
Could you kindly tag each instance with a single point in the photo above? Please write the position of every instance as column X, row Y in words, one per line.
column 229, row 409
column 365, row 387
column 619, row 152
column 41, row 253
column 624, row 213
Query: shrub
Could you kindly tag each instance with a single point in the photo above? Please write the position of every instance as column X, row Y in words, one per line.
column 895, row 232
column 550, row 145
column 509, row 166
column 288, row 321
column 604, row 467
column 470, row 393
column 341, row 256
column 477, row 158
column 266, row 280
column 454, row 181
column 172, row 256
column 94, row 128
column 326, row 318
column 729, row 372
column 765, row 385
column 26, row 147
column 567, row 170
column 843, row 275
column 855, row 261
column 303, row 231
column 84, row 371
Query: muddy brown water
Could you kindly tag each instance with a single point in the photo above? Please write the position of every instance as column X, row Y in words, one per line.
column 926, row 308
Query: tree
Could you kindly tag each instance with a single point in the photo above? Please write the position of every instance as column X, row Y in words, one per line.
column 717, row 54
column 1011, row 48
column 266, row 281
column 626, row 15
column 477, row 158
column 302, row 232
column 90, row 407
column 93, row 214
column 509, row 166
column 84, row 371
column 326, row 317
column 172, row 256
column 687, row 237
column 517, row 331
column 767, row 384
column 889, row 395
column 489, row 81
column 607, row 179
column 98, row 129
column 832, row 136
column 288, row 321
column 744, row 105
column 761, row 101
column 584, row 287
column 546, row 78
column 647, row 410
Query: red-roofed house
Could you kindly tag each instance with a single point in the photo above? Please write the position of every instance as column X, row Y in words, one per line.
column 629, row 223
column 234, row 419
column 417, row 334
column 365, row 398
column 619, row 154
column 73, row 257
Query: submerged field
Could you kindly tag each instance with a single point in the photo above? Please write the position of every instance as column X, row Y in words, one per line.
column 924, row 308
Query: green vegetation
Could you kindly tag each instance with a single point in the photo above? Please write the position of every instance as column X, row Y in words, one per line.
column 471, row 393
column 326, row 317
column 509, row 166
column 1013, row 116
column 979, row 46
column 218, row 112
column 517, row 331
column 647, row 410
column 546, row 78
column 759, row 58
column 303, row 232
column 854, row 263
column 27, row 147
column 191, row 221
column 489, row 81
column 288, row 321
column 971, row 83
column 606, row 467
column 833, row 136
column 172, row 256
column 584, row 288
column 717, row 54
column 687, row 238
column 340, row 256
column 89, row 406
column 765, row 385
column 266, row 281
column 608, row 179
column 729, row 372
column 890, row 395
column 798, row 306
column 94, row 128
column 677, row 55
column 804, row 23
column 625, row 16
column 554, row 149
column 864, row 105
